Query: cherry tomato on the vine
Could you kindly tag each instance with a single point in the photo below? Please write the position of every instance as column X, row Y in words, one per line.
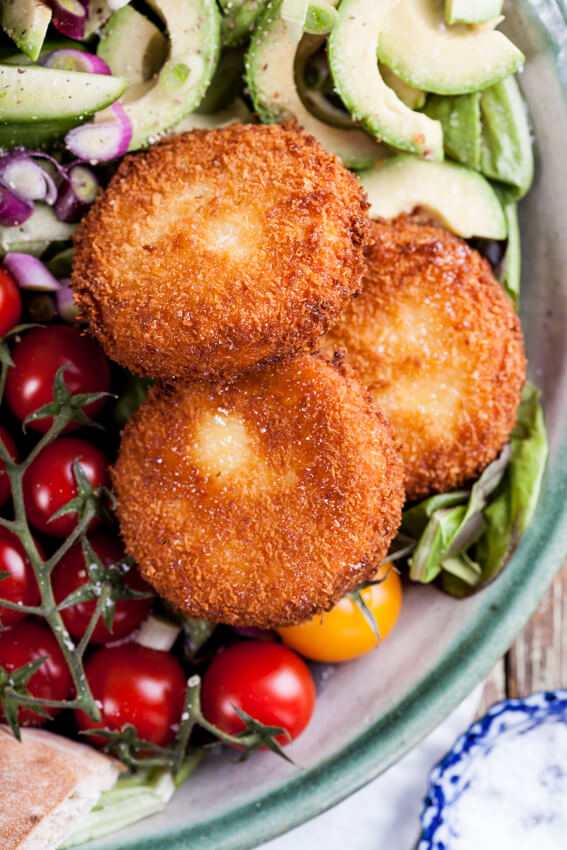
column 71, row 573
column 4, row 480
column 266, row 680
column 38, row 356
column 49, row 483
column 28, row 641
column 10, row 303
column 20, row 584
column 137, row 685
column 343, row 632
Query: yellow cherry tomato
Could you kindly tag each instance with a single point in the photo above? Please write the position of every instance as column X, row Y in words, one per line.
column 343, row 632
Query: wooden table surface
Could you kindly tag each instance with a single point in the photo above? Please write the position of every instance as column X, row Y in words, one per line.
column 537, row 660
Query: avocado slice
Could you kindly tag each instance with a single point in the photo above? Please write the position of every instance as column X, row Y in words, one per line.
column 270, row 77
column 472, row 11
column 123, row 30
column 239, row 18
column 461, row 200
column 460, row 118
column 158, row 104
column 26, row 22
column 33, row 93
column 414, row 98
column 419, row 47
column 507, row 152
column 352, row 56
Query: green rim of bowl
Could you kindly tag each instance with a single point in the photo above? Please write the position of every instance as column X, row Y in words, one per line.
column 510, row 601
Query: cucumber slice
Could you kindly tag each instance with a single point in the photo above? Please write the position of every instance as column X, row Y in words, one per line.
column 239, row 18
column 39, row 134
column 271, row 81
column 507, row 153
column 33, row 93
column 41, row 228
column 471, row 11
column 9, row 57
column 26, row 22
column 421, row 49
column 132, row 46
column 460, row 118
column 460, row 199
column 185, row 76
column 352, row 57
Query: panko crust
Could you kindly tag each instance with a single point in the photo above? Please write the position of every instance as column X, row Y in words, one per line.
column 282, row 527
column 218, row 250
column 437, row 342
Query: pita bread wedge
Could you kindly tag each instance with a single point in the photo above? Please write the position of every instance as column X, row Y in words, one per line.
column 47, row 784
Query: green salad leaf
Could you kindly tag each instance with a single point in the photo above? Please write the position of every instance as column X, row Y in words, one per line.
column 468, row 536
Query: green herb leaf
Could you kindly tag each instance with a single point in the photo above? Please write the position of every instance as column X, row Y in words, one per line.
column 358, row 600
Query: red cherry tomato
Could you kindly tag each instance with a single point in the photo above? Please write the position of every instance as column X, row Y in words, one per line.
column 266, row 680
column 4, row 480
column 10, row 303
column 20, row 585
column 49, row 483
column 38, row 356
column 137, row 685
column 26, row 642
column 71, row 572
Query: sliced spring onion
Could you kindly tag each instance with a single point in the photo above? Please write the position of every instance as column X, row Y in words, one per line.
column 30, row 273
column 70, row 59
column 76, row 193
column 69, row 17
column 108, row 137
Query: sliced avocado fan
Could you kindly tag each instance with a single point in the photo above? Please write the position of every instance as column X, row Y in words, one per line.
column 419, row 47
column 270, row 62
column 353, row 44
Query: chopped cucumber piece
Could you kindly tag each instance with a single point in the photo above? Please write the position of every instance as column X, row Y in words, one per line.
column 39, row 134
column 33, row 93
column 460, row 199
column 507, row 153
column 133, row 798
column 460, row 118
column 239, row 19
column 132, row 46
column 320, row 19
column 471, row 11
column 412, row 97
column 185, row 76
column 41, row 228
column 421, row 49
column 26, row 22
column 352, row 57
column 271, row 80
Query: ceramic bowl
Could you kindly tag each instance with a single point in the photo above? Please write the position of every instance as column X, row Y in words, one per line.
column 372, row 710
column 506, row 723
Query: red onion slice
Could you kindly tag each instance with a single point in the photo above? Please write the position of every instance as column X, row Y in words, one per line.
column 66, row 306
column 13, row 210
column 77, row 193
column 69, row 59
column 30, row 273
column 108, row 137
column 26, row 179
column 69, row 17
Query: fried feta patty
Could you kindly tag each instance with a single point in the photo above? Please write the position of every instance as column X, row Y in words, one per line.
column 261, row 501
column 435, row 339
column 218, row 250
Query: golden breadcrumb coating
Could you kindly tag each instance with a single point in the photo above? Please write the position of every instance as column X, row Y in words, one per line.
column 261, row 501
column 218, row 250
column 435, row 339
